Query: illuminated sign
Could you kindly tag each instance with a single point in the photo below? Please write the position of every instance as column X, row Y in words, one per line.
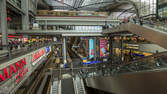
column 91, row 62
column 91, row 48
column 103, row 47
column 17, row 68
column 38, row 56
column 48, row 49
column 140, row 55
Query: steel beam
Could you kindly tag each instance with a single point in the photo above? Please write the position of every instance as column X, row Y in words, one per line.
column 134, row 5
column 14, row 8
column 25, row 18
column 110, row 2
column 3, row 24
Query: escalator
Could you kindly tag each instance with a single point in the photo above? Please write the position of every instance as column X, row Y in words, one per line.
column 55, row 87
column 67, row 86
column 143, row 76
column 150, row 33
column 79, row 86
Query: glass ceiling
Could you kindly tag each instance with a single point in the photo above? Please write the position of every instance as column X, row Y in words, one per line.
column 89, row 5
column 145, row 7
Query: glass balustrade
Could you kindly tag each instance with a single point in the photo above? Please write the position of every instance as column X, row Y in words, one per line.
column 150, row 63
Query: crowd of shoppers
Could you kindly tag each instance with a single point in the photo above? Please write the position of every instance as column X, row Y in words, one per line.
column 17, row 44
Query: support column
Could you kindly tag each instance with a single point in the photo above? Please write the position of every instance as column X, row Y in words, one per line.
column 157, row 7
column 3, row 26
column 25, row 18
column 45, row 27
column 98, row 43
column 111, row 48
column 64, row 50
column 122, row 48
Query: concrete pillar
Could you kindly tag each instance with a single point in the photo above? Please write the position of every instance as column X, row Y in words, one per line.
column 122, row 48
column 64, row 50
column 45, row 27
column 3, row 24
column 98, row 43
column 25, row 18
column 111, row 47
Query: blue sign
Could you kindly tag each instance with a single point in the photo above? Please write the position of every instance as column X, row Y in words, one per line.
column 47, row 49
column 91, row 62
column 138, row 55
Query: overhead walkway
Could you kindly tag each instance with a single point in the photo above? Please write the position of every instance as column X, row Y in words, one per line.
column 150, row 33
column 43, row 20
column 60, row 32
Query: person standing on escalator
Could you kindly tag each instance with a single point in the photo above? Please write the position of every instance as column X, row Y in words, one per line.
column 134, row 20
column 124, row 20
column 141, row 22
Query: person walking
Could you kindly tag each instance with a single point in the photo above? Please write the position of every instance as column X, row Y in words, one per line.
column 29, row 44
column 134, row 20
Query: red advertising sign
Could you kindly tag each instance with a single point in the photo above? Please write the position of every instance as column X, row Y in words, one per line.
column 37, row 56
column 17, row 68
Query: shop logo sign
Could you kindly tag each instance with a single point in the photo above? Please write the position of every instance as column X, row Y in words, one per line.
column 17, row 69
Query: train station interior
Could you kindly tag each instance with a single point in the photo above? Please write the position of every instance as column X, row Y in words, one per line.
column 83, row 46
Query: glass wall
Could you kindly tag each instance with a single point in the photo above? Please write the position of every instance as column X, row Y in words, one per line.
column 146, row 7
column 162, row 9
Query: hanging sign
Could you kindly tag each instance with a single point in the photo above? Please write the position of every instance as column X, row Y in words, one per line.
column 103, row 48
column 91, row 48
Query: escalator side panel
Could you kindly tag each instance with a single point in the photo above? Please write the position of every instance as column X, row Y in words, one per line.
column 155, row 36
column 136, row 83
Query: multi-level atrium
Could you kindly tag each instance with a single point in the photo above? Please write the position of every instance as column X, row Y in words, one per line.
column 83, row 46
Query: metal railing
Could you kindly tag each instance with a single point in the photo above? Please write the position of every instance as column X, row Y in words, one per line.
column 155, row 62
column 24, row 49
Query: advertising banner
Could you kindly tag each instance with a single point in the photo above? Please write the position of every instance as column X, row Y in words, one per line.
column 37, row 56
column 19, row 69
column 103, row 47
column 14, row 72
column 91, row 48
